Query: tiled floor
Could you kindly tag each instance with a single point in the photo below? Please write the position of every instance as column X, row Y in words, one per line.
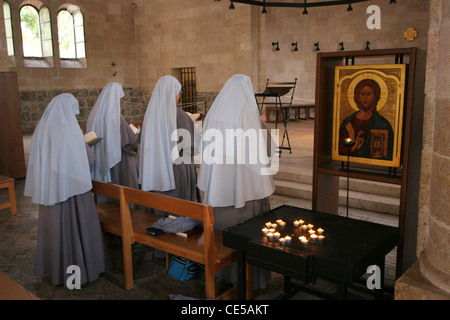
column 18, row 244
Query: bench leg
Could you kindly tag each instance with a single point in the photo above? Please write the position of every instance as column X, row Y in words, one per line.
column 168, row 258
column 210, row 283
column 12, row 198
column 127, row 263
column 249, row 280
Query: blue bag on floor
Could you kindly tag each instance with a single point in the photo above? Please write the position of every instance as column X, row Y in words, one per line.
column 183, row 269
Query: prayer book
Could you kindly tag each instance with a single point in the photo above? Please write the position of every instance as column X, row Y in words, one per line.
column 91, row 138
column 134, row 128
column 187, row 234
column 195, row 116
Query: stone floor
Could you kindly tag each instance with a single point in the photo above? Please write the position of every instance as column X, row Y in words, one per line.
column 18, row 244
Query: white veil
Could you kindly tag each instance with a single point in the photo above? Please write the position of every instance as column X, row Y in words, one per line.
column 104, row 120
column 233, row 183
column 58, row 166
column 160, row 121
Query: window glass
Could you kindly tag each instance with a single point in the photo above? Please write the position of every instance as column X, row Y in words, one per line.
column 8, row 28
column 66, row 35
column 46, row 32
column 31, row 35
column 71, row 33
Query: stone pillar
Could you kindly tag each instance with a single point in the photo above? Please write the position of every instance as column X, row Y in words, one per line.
column 429, row 278
column 435, row 259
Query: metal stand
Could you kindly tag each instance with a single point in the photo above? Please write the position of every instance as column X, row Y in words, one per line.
column 349, row 143
column 276, row 90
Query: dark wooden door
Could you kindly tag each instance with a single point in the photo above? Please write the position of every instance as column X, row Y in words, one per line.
column 12, row 158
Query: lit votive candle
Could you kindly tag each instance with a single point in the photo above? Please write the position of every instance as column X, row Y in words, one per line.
column 310, row 226
column 320, row 230
column 304, row 227
column 271, row 230
column 282, row 241
column 313, row 236
column 268, row 224
column 296, row 223
column 276, row 236
column 288, row 239
column 274, row 225
column 312, row 231
column 321, row 237
column 303, row 239
column 269, row 236
column 265, row 230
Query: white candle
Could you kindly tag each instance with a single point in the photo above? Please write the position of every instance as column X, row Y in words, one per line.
column 269, row 236
column 274, row 225
column 310, row 226
column 320, row 230
column 321, row 237
column 282, row 241
column 304, row 227
column 303, row 240
column 313, row 236
column 276, row 235
column 288, row 239
column 296, row 223
column 268, row 224
column 265, row 230
column 271, row 230
column 312, row 231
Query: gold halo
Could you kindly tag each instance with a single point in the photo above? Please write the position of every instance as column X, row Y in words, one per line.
column 362, row 75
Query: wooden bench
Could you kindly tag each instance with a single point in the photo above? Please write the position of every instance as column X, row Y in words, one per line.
column 130, row 224
column 7, row 182
column 11, row 290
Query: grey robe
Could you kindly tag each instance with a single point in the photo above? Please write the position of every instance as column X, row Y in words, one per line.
column 69, row 233
column 125, row 173
column 185, row 174
column 225, row 217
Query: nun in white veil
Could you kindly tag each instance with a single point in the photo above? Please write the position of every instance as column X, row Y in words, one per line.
column 59, row 180
column 166, row 162
column 237, row 188
column 115, row 155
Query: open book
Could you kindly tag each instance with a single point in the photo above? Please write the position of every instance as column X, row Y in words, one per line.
column 91, row 138
column 134, row 128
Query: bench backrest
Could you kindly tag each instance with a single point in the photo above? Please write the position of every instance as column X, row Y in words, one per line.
column 180, row 207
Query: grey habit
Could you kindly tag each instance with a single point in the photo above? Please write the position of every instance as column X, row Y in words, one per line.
column 69, row 233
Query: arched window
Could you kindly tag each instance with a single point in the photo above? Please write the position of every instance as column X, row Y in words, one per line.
column 71, row 33
column 36, row 32
column 8, row 28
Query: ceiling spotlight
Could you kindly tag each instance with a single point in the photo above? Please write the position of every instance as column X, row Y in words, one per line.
column 349, row 7
column 231, row 6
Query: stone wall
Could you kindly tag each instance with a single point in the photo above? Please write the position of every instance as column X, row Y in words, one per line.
column 429, row 277
column 33, row 104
